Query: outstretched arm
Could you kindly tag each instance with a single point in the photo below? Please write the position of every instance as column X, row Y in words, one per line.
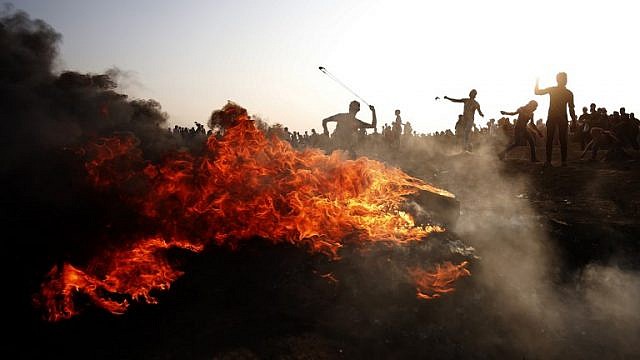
column 479, row 111
column 454, row 100
column 613, row 136
column 572, row 110
column 586, row 148
column 374, row 120
column 328, row 120
column 539, row 91
column 534, row 127
column 511, row 113
column 582, row 120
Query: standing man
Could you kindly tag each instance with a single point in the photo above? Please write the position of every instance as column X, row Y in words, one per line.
column 396, row 130
column 345, row 134
column 470, row 107
column 559, row 99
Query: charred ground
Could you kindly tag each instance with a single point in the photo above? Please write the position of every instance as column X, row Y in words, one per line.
column 549, row 282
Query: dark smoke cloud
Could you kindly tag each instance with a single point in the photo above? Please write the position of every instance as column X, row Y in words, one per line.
column 42, row 110
column 46, row 117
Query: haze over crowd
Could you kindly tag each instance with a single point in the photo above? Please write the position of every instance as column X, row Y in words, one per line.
column 550, row 281
column 193, row 56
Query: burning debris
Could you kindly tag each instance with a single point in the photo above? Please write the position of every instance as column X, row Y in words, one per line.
column 118, row 213
column 114, row 209
column 243, row 186
column 431, row 284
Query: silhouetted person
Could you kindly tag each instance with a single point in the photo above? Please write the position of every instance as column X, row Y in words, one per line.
column 492, row 127
column 581, row 127
column 586, row 123
column 459, row 129
column 407, row 130
column 627, row 129
column 522, row 136
column 559, row 99
column 635, row 130
column 623, row 113
column 470, row 107
column 347, row 126
column 600, row 138
column 396, row 130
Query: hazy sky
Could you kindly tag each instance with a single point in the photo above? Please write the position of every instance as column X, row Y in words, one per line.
column 192, row 56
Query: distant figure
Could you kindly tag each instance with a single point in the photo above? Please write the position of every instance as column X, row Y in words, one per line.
column 627, row 129
column 347, row 127
column 314, row 138
column 459, row 129
column 601, row 138
column 492, row 127
column 522, row 134
column 559, row 99
column 470, row 107
column 578, row 128
column 635, row 130
column 585, row 123
column 287, row 135
column 397, row 130
column 408, row 130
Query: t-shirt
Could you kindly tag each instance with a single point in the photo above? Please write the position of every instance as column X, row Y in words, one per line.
column 559, row 98
column 470, row 107
column 524, row 116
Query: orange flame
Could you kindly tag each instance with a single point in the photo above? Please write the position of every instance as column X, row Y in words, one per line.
column 136, row 271
column 430, row 285
column 243, row 186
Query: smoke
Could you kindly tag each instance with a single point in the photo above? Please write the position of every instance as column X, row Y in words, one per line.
column 126, row 80
column 46, row 118
column 522, row 301
column 539, row 288
column 529, row 300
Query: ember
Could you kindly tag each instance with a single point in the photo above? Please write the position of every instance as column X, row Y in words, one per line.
column 431, row 284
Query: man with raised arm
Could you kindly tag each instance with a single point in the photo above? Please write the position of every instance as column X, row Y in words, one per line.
column 347, row 126
column 468, row 114
column 559, row 99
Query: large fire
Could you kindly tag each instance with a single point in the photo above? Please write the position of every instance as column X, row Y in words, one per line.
column 243, row 186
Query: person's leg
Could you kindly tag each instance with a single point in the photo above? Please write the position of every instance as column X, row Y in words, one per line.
column 586, row 148
column 350, row 147
column 465, row 138
column 596, row 146
column 563, row 130
column 594, row 151
column 551, row 129
column 532, row 147
column 504, row 152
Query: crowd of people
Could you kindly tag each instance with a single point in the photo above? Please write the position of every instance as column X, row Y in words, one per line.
column 595, row 130
column 192, row 132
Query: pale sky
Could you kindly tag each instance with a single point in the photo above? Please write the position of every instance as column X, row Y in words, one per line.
column 192, row 56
